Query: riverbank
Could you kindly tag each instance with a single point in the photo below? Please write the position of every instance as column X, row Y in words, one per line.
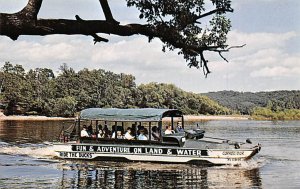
column 186, row 118
column 212, row 117
column 196, row 118
column 32, row 118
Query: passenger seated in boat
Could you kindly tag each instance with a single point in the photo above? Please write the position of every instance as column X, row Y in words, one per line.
column 106, row 132
column 100, row 134
column 119, row 135
column 169, row 130
column 179, row 128
column 139, row 128
column 113, row 135
column 128, row 134
column 83, row 132
column 155, row 133
column 146, row 133
column 105, row 128
column 89, row 130
column 113, row 130
column 100, row 127
column 142, row 135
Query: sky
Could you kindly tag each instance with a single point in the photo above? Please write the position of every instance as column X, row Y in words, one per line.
column 269, row 61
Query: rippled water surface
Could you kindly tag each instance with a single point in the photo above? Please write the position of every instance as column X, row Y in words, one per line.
column 27, row 160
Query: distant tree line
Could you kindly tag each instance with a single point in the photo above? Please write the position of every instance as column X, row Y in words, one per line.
column 274, row 105
column 266, row 113
column 245, row 102
column 40, row 92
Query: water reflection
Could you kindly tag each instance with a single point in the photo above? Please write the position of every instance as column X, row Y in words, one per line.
column 117, row 175
column 22, row 146
column 30, row 131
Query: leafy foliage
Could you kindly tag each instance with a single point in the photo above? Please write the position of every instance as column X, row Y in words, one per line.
column 39, row 92
column 64, row 106
column 191, row 27
column 178, row 23
column 169, row 96
column 267, row 113
column 245, row 102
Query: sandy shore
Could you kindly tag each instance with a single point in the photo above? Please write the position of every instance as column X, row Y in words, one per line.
column 210, row 118
column 32, row 118
column 186, row 118
column 220, row 117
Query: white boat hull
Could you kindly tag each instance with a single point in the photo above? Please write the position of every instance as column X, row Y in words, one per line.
column 153, row 153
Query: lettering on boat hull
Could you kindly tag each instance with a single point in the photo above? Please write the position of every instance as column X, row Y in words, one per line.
column 139, row 150
column 233, row 153
column 152, row 154
column 76, row 155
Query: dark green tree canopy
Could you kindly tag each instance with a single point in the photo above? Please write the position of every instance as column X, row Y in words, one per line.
column 177, row 23
column 39, row 92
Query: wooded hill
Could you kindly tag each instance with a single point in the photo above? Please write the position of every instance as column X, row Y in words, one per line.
column 40, row 92
column 245, row 102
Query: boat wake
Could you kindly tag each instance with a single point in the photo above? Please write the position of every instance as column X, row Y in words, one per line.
column 253, row 163
column 41, row 151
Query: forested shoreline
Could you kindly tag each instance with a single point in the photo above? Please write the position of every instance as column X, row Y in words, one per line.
column 40, row 92
column 273, row 105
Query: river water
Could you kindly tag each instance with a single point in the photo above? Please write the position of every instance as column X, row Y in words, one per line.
column 27, row 160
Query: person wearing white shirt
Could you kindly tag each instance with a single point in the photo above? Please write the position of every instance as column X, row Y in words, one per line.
column 169, row 130
column 84, row 133
column 142, row 136
column 128, row 135
column 119, row 135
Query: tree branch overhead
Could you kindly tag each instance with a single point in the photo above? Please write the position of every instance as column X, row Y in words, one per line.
column 176, row 24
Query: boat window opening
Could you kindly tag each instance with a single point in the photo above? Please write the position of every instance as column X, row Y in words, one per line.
column 115, row 130
column 179, row 127
column 94, row 128
column 69, row 133
column 155, row 133
column 169, row 130
column 176, row 125
column 142, row 131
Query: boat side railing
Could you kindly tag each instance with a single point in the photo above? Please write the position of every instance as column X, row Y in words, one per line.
column 68, row 134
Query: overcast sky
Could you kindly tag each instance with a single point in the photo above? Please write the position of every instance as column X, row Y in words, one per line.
column 269, row 61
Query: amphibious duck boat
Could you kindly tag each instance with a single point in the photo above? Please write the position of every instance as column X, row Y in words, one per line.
column 106, row 139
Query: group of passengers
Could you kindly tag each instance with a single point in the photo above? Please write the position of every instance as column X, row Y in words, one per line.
column 179, row 129
column 87, row 131
column 132, row 133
